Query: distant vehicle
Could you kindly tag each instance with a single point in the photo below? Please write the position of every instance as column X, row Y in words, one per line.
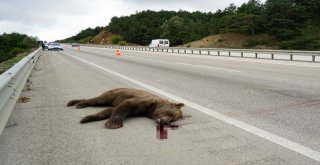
column 45, row 44
column 75, row 44
column 159, row 43
column 54, row 46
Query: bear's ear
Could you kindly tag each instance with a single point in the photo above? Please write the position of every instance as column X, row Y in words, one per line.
column 179, row 105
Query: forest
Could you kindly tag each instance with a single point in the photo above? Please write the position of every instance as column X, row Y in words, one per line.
column 293, row 24
column 15, row 43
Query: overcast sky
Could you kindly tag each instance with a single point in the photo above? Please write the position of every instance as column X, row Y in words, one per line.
column 58, row 19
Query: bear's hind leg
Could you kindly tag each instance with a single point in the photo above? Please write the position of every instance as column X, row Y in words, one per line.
column 98, row 116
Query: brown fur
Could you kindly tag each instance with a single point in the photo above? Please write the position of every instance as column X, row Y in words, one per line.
column 125, row 102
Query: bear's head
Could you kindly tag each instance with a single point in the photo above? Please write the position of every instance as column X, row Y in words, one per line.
column 168, row 112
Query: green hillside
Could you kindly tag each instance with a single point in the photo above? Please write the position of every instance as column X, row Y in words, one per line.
column 288, row 24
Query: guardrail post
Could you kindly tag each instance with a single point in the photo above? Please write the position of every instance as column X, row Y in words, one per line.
column 191, row 51
column 208, row 52
column 185, row 51
column 218, row 53
column 272, row 56
column 313, row 58
column 229, row 54
column 178, row 50
column 200, row 52
column 291, row 57
column 241, row 54
column 162, row 50
column 167, row 50
column 256, row 54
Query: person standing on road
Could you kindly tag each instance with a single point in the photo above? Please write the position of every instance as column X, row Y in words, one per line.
column 42, row 45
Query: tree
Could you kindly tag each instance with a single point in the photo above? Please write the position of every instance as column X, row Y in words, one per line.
column 251, row 15
column 284, row 18
column 174, row 30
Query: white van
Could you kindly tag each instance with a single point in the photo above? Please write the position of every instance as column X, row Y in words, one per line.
column 159, row 43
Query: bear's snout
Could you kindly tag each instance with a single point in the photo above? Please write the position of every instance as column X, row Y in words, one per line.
column 165, row 120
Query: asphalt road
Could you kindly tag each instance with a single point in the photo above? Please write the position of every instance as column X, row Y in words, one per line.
column 261, row 99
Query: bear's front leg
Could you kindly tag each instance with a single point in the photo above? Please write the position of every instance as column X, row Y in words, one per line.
column 118, row 115
column 98, row 116
column 114, row 123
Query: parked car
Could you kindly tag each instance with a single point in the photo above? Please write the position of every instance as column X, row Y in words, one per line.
column 54, row 46
column 159, row 43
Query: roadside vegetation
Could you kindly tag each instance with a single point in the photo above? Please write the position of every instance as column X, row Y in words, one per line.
column 4, row 66
column 14, row 44
column 284, row 24
column 13, row 47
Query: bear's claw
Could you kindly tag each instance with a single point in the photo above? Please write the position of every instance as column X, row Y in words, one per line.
column 113, row 124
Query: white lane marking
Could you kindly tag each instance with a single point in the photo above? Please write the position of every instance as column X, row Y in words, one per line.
column 180, row 63
column 306, row 151
column 208, row 67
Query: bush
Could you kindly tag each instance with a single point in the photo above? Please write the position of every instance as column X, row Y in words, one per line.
column 284, row 34
column 302, row 43
column 86, row 40
column 11, row 54
column 16, row 51
column 254, row 42
column 116, row 39
column 122, row 43
column 4, row 66
column 15, row 43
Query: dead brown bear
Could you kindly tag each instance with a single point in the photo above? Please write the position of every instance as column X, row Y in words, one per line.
column 125, row 102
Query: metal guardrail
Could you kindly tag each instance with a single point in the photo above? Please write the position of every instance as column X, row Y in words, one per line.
column 291, row 55
column 11, row 84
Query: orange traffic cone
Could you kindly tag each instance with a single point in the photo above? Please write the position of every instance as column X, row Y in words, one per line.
column 118, row 52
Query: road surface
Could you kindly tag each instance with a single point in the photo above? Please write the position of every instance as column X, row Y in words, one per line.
column 255, row 111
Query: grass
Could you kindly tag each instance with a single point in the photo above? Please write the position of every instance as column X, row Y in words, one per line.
column 234, row 40
column 4, row 66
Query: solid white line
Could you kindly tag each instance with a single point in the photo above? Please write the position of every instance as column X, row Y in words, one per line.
column 306, row 151
column 208, row 67
column 180, row 63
